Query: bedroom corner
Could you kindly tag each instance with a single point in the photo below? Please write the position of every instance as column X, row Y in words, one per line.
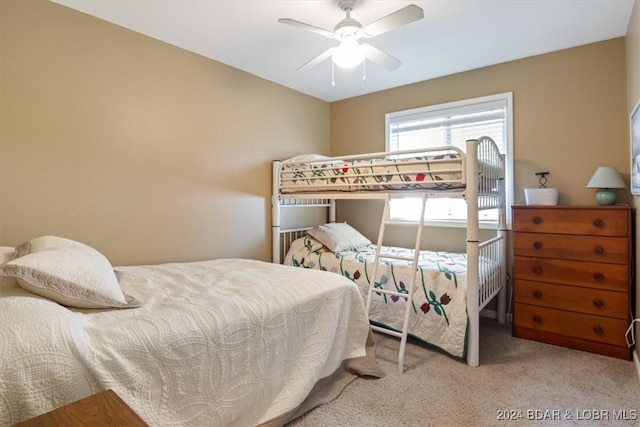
column 136, row 146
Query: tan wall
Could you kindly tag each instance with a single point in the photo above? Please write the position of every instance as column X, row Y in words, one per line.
column 143, row 150
column 633, row 96
column 570, row 116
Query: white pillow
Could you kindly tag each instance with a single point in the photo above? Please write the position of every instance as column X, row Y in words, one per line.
column 67, row 272
column 306, row 158
column 313, row 158
column 6, row 253
column 45, row 242
column 339, row 236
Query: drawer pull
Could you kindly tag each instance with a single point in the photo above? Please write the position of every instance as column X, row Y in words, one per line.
column 537, row 269
column 598, row 330
column 598, row 250
column 537, row 294
column 598, row 223
column 537, row 245
column 598, row 303
column 598, row 277
column 538, row 319
column 537, row 220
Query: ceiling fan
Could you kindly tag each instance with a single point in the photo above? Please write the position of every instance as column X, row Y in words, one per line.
column 348, row 31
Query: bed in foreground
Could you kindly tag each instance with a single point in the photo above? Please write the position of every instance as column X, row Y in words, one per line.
column 217, row 343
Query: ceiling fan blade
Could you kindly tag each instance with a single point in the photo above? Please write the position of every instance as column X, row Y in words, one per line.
column 318, row 59
column 404, row 16
column 307, row 27
column 380, row 58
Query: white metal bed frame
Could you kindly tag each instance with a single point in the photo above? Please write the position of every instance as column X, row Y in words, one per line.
column 479, row 194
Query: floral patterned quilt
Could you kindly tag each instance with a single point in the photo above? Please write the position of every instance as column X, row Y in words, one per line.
column 439, row 304
column 440, row 172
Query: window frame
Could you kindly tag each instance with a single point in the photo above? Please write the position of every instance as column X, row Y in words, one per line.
column 466, row 105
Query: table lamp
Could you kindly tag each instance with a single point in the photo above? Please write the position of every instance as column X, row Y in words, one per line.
column 604, row 179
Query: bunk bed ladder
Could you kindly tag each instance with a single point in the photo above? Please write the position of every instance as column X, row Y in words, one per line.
column 406, row 293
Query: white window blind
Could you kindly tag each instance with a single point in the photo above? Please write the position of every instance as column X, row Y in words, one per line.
column 450, row 124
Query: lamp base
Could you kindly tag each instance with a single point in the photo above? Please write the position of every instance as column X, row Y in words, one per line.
column 605, row 197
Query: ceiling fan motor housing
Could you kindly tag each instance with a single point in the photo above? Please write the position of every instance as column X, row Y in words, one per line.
column 347, row 28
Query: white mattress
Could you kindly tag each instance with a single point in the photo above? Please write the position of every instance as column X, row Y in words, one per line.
column 224, row 342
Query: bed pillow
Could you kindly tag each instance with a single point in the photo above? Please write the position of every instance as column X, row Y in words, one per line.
column 306, row 158
column 6, row 253
column 67, row 272
column 339, row 236
column 45, row 242
column 314, row 158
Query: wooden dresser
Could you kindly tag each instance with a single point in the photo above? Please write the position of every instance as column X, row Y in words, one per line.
column 572, row 276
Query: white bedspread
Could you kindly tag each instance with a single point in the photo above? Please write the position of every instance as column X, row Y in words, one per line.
column 224, row 342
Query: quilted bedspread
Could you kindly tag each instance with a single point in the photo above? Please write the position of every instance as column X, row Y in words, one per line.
column 441, row 172
column 439, row 304
column 224, row 342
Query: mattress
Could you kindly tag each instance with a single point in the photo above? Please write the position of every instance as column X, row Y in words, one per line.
column 439, row 304
column 216, row 343
column 439, row 172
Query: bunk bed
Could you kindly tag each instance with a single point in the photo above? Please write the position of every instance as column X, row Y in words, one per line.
column 473, row 278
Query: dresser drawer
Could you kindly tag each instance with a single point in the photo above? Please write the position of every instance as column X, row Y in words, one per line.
column 576, row 273
column 582, row 326
column 580, row 248
column 594, row 222
column 582, row 300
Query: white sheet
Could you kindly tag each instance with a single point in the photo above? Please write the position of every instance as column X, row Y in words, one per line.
column 224, row 342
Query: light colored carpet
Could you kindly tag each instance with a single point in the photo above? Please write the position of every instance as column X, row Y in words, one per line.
column 535, row 383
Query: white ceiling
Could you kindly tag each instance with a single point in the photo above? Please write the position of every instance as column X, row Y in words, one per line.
column 454, row 36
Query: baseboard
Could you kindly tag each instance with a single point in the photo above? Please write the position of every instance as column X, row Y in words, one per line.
column 493, row 314
column 636, row 363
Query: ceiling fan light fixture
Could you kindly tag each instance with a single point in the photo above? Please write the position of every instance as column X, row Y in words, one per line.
column 348, row 55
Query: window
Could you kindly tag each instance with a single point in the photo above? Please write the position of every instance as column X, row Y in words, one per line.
column 452, row 124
